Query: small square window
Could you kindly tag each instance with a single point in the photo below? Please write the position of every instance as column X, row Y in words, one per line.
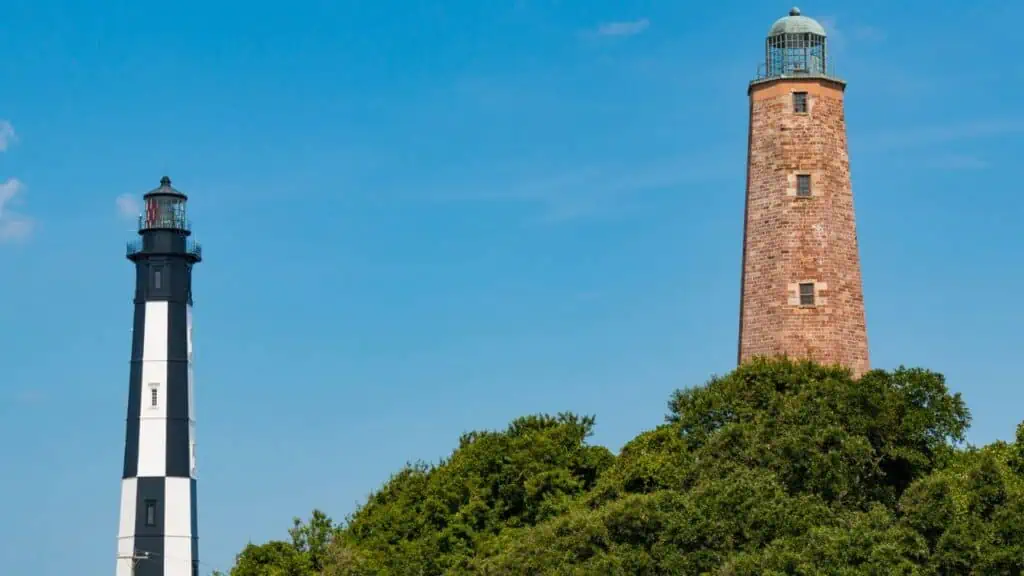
column 803, row 185
column 800, row 102
column 150, row 513
column 807, row 294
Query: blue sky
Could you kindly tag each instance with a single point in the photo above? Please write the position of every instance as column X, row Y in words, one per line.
column 425, row 218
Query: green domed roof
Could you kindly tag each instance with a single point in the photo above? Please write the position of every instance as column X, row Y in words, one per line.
column 796, row 24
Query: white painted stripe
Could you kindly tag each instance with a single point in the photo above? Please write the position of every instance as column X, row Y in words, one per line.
column 154, row 343
column 128, row 498
column 154, row 376
column 192, row 449
column 188, row 325
column 191, row 396
column 154, row 361
column 177, row 556
column 152, row 447
column 126, row 531
column 178, row 507
column 124, row 559
column 153, row 419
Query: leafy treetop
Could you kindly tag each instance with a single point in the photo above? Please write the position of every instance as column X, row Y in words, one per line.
column 779, row 467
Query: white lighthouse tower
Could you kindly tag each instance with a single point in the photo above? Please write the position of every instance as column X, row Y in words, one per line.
column 158, row 533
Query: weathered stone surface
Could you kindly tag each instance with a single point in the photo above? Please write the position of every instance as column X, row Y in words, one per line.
column 789, row 240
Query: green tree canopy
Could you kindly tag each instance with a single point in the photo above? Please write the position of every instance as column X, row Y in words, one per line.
column 779, row 467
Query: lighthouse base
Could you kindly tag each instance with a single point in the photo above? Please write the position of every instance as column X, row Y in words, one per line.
column 157, row 536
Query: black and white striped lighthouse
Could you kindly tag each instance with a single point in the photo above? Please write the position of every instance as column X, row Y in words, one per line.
column 158, row 535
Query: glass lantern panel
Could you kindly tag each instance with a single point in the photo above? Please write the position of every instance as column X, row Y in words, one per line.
column 165, row 212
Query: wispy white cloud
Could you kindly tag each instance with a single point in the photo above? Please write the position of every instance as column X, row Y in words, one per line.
column 836, row 35
column 30, row 396
column 960, row 162
column 7, row 135
column 13, row 226
column 597, row 190
column 919, row 136
column 623, row 28
column 932, row 144
column 854, row 54
column 128, row 206
column 869, row 33
column 841, row 38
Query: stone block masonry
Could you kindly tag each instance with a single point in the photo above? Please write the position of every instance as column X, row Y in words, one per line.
column 801, row 282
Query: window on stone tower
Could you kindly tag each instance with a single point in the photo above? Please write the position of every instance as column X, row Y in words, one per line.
column 803, row 185
column 800, row 102
column 150, row 512
column 807, row 294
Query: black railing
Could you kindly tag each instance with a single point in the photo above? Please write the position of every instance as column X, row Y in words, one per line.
column 192, row 248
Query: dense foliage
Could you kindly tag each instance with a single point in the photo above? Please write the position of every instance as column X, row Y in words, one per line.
column 778, row 468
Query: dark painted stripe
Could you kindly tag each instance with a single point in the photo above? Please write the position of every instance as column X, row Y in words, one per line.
column 177, row 330
column 141, row 280
column 138, row 330
column 188, row 284
column 152, row 565
column 177, row 449
column 177, row 390
column 149, row 540
column 195, row 517
column 177, row 462
column 131, row 435
column 173, row 285
column 195, row 528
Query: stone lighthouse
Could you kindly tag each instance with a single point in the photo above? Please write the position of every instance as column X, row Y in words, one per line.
column 801, row 290
column 158, row 533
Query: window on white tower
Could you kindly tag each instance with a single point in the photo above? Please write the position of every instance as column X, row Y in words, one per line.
column 154, row 395
column 150, row 512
